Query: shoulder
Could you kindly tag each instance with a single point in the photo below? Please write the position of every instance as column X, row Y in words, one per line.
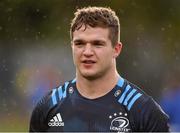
column 143, row 109
column 134, row 98
column 46, row 104
column 140, row 99
column 60, row 93
column 131, row 95
column 52, row 98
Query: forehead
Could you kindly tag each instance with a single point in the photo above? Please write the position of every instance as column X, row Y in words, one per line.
column 91, row 33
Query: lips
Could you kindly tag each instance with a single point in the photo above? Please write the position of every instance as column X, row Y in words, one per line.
column 88, row 61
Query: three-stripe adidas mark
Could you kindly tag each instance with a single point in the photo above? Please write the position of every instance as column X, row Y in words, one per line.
column 129, row 96
column 56, row 121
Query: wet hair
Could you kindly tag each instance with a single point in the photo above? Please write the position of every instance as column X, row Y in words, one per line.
column 97, row 17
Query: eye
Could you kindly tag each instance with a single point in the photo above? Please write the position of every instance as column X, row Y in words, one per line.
column 98, row 44
column 79, row 44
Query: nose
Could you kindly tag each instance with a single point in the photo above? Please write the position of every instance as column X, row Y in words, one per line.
column 88, row 50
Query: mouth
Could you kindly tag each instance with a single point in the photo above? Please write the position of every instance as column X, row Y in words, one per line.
column 88, row 62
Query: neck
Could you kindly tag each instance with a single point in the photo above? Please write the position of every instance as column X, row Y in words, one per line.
column 98, row 87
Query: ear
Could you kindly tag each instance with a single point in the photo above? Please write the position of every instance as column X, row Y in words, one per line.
column 117, row 49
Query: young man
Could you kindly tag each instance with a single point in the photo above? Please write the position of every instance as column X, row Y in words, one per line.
column 98, row 99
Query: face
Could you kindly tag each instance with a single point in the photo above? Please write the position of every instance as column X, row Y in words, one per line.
column 93, row 53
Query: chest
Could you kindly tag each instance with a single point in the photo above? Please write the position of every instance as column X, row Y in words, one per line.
column 91, row 116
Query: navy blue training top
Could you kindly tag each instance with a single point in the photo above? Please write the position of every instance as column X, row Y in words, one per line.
column 126, row 108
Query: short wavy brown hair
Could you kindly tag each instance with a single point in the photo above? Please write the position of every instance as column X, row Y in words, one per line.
column 97, row 17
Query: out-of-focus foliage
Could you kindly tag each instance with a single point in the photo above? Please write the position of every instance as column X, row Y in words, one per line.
column 42, row 19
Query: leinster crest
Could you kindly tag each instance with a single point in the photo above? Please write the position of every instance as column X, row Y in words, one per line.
column 119, row 122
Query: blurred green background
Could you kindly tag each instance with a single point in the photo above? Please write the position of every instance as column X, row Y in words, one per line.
column 35, row 53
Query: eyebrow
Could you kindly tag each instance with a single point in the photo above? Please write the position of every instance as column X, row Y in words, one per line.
column 94, row 41
column 78, row 40
column 98, row 41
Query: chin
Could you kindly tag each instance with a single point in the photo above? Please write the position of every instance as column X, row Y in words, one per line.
column 90, row 76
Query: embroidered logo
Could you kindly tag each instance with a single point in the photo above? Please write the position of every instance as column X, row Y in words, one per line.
column 56, row 121
column 117, row 93
column 71, row 90
column 119, row 122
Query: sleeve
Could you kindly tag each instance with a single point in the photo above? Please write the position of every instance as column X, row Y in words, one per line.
column 153, row 118
column 38, row 116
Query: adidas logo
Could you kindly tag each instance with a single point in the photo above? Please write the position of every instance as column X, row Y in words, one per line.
column 56, row 121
